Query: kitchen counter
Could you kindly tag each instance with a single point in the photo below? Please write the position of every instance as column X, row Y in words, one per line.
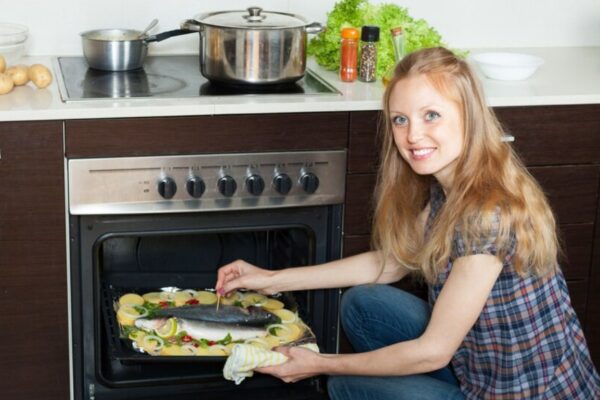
column 570, row 75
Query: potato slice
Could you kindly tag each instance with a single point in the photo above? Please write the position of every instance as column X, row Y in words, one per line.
column 2, row 64
column 152, row 297
column 272, row 304
column 131, row 299
column 206, row 297
column 180, row 298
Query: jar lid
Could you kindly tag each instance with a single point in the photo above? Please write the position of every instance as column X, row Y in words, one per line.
column 350, row 33
column 251, row 18
column 396, row 31
column 369, row 33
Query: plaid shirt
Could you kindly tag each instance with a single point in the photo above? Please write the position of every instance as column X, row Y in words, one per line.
column 527, row 342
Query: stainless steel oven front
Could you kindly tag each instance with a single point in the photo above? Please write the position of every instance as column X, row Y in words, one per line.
column 141, row 223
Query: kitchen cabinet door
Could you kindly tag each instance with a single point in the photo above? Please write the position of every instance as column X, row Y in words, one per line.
column 33, row 284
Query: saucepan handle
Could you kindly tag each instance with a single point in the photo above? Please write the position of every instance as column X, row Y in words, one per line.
column 165, row 35
column 314, row 28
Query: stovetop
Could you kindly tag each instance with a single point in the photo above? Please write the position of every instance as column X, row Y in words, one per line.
column 168, row 77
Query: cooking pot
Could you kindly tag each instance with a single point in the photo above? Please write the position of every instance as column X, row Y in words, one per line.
column 252, row 46
column 120, row 49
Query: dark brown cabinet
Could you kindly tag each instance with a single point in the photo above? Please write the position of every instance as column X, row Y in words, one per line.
column 561, row 147
column 33, row 273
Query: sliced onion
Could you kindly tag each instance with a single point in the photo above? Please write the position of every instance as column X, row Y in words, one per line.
column 189, row 348
column 151, row 348
column 287, row 330
column 131, row 312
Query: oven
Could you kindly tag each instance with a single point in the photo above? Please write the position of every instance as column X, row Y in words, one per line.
column 144, row 223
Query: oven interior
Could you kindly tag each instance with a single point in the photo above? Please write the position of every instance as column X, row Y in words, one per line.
column 147, row 254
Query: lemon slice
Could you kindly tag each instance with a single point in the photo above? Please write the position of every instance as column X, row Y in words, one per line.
column 272, row 304
column 205, row 297
column 131, row 299
column 272, row 341
column 286, row 316
column 180, row 298
column 168, row 329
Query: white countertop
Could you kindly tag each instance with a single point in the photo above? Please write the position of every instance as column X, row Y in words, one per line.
column 570, row 75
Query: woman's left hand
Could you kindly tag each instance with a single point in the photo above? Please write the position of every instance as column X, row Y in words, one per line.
column 301, row 364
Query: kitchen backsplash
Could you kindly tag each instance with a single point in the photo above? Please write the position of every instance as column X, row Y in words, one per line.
column 55, row 25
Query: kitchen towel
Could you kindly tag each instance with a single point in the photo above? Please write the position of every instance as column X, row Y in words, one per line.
column 245, row 358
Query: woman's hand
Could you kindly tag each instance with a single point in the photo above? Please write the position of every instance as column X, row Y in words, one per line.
column 240, row 274
column 301, row 364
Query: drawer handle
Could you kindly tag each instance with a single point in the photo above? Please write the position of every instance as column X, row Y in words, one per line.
column 507, row 138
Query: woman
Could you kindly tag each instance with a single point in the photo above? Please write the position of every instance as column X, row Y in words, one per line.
column 456, row 206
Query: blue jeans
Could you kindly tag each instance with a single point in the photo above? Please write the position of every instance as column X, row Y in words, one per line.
column 374, row 316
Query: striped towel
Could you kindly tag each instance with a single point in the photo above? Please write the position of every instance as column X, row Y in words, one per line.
column 245, row 358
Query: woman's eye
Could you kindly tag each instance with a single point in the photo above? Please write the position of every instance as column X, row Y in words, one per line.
column 399, row 120
column 431, row 116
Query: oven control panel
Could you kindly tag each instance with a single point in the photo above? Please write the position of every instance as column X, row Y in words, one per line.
column 207, row 182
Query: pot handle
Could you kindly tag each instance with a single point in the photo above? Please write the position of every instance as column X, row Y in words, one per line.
column 165, row 35
column 314, row 28
column 191, row 25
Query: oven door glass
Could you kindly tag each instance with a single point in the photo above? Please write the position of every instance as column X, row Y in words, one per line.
column 140, row 254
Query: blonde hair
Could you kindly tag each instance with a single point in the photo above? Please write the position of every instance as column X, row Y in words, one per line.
column 491, row 186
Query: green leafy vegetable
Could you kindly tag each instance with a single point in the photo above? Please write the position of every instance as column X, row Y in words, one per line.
column 325, row 47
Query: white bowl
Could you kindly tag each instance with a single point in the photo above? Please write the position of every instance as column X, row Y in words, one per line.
column 507, row 66
column 12, row 33
column 12, row 53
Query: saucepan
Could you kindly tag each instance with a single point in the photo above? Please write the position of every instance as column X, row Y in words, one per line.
column 252, row 46
column 120, row 49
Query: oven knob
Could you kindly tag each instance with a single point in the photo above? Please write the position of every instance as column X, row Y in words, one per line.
column 195, row 187
column 167, row 188
column 282, row 183
column 255, row 184
column 227, row 186
column 309, row 182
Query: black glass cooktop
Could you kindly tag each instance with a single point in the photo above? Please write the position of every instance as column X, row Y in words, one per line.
column 166, row 77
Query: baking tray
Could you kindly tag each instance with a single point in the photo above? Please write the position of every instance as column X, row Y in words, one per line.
column 121, row 348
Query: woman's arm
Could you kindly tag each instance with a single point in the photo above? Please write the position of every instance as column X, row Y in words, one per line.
column 456, row 310
column 350, row 271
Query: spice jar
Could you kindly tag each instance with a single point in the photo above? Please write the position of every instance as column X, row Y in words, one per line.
column 368, row 53
column 398, row 43
column 349, row 54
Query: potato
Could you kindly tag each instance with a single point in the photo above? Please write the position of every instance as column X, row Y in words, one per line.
column 39, row 75
column 2, row 63
column 19, row 74
column 6, row 83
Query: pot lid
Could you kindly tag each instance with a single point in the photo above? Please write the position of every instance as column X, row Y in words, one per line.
column 252, row 18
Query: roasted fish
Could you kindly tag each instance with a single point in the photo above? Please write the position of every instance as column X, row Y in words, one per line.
column 227, row 314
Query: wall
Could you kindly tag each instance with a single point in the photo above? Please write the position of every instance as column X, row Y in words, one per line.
column 55, row 25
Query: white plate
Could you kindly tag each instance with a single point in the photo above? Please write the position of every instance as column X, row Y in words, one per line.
column 507, row 66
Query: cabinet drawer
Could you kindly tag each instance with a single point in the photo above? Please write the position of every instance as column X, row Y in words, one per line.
column 359, row 204
column 550, row 135
column 363, row 146
column 571, row 190
column 205, row 134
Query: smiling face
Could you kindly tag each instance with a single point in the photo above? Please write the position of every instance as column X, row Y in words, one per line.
column 427, row 128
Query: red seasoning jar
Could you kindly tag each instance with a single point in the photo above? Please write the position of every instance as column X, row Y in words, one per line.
column 349, row 54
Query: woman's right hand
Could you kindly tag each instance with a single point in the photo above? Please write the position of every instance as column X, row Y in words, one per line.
column 242, row 275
